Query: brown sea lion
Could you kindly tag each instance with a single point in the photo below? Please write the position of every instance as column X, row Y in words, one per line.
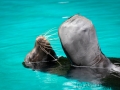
column 41, row 55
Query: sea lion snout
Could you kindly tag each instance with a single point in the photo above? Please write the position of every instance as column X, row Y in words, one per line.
column 40, row 38
column 42, row 41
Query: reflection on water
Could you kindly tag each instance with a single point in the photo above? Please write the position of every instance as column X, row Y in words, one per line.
column 87, row 76
column 21, row 21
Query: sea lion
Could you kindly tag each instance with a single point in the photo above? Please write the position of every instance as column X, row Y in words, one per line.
column 41, row 54
column 80, row 44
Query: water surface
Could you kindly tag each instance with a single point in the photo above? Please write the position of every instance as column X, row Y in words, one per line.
column 21, row 21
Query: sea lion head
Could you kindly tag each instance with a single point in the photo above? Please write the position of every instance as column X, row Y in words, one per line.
column 41, row 53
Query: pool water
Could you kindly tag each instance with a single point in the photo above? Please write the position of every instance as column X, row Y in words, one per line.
column 21, row 21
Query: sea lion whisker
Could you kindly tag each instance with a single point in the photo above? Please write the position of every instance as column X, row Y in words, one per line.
column 53, row 39
column 117, row 63
column 52, row 42
column 115, row 75
column 55, row 43
column 51, row 35
column 46, row 52
column 49, row 31
column 47, row 48
column 50, row 55
column 55, row 48
column 53, row 29
column 43, row 50
column 45, row 44
column 42, row 43
column 114, row 71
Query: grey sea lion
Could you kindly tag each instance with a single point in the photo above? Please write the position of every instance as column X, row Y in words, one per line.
column 41, row 55
column 80, row 44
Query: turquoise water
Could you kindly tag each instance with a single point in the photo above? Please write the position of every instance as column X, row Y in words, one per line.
column 21, row 21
